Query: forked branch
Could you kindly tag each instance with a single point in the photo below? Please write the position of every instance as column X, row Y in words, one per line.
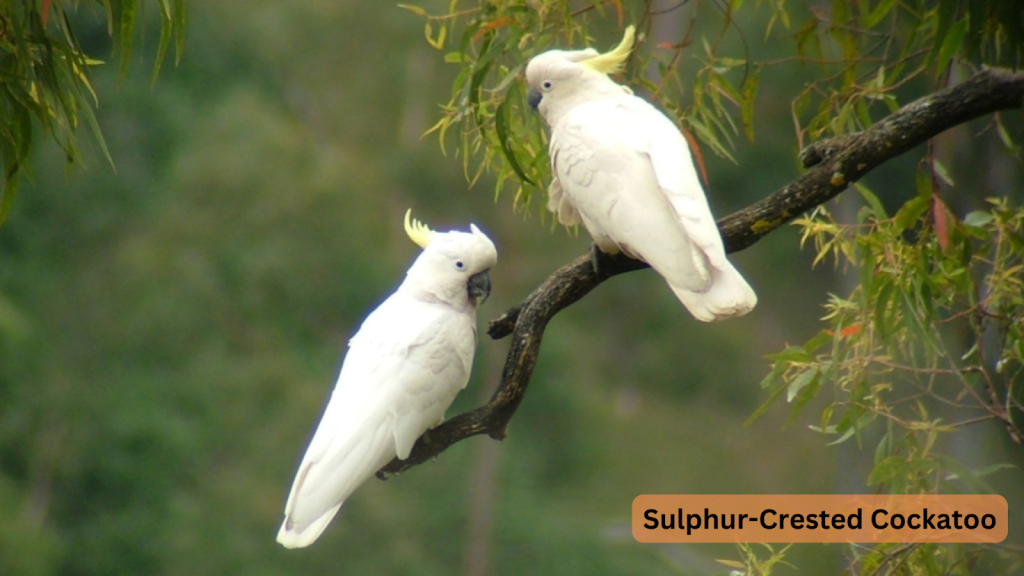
column 835, row 164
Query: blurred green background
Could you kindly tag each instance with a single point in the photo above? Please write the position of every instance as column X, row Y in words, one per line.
column 170, row 333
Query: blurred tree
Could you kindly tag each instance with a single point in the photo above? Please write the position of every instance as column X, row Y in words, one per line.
column 931, row 338
column 44, row 73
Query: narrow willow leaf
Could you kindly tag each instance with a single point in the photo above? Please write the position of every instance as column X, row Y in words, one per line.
column 1004, row 134
column 791, row 354
column 946, row 14
column 872, row 200
column 765, row 405
column 179, row 30
column 941, row 172
column 8, row 191
column 500, row 120
column 804, row 397
column 94, row 127
column 879, row 13
column 820, row 339
column 800, row 382
column 846, row 436
column 750, row 86
column 166, row 32
column 414, row 9
column 126, row 27
column 952, row 44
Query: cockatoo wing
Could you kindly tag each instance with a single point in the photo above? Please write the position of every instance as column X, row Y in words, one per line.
column 393, row 386
column 602, row 159
column 729, row 294
column 629, row 173
column 673, row 166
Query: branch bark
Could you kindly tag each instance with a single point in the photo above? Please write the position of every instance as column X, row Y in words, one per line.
column 834, row 165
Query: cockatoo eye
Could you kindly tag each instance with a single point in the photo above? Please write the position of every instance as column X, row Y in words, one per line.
column 459, row 264
column 547, row 85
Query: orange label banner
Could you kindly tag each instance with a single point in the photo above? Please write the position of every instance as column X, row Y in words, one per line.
column 772, row 518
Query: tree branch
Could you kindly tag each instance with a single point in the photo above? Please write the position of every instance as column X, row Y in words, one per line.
column 835, row 164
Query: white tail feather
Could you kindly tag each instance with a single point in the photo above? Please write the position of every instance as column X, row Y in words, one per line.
column 288, row 537
column 729, row 296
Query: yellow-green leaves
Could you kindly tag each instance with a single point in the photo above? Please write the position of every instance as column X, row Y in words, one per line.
column 498, row 133
column 438, row 41
column 44, row 77
column 909, row 342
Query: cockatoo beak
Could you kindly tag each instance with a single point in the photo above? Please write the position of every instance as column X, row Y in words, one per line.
column 479, row 287
column 533, row 97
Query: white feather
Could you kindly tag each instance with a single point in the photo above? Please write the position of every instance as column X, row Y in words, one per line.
column 404, row 367
column 624, row 169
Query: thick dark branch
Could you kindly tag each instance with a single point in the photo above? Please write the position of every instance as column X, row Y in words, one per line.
column 835, row 164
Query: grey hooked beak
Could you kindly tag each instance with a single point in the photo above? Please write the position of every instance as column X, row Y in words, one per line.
column 533, row 97
column 479, row 287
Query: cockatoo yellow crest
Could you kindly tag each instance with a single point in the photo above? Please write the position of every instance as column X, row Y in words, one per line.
column 624, row 170
column 404, row 367
column 418, row 231
column 613, row 61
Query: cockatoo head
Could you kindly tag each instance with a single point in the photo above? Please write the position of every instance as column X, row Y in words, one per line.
column 561, row 78
column 454, row 266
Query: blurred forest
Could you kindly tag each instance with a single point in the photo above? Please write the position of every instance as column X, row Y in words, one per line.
column 170, row 332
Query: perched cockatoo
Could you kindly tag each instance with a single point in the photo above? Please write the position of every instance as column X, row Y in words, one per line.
column 623, row 170
column 404, row 367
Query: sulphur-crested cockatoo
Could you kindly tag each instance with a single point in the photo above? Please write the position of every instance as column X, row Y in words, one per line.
column 404, row 366
column 623, row 169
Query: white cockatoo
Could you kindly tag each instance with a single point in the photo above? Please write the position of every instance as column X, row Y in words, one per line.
column 404, row 367
column 623, row 169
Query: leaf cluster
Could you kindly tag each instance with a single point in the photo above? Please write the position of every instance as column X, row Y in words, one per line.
column 930, row 341
column 488, row 115
column 869, row 51
column 44, row 75
column 863, row 54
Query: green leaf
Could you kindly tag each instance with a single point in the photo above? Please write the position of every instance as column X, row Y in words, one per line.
column 94, row 126
column 166, row 32
column 910, row 212
column 8, row 192
column 889, row 468
column 1004, row 134
column 500, row 128
column 179, row 30
column 941, row 172
column 872, row 200
column 804, row 396
column 129, row 11
column 950, row 46
column 946, row 14
column 978, row 218
column 414, row 9
column 846, row 436
column 791, row 354
column 806, row 378
column 750, row 86
column 765, row 405
column 820, row 339
column 880, row 11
